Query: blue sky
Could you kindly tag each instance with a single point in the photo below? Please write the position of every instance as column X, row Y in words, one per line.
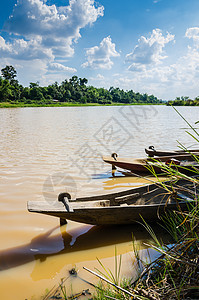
column 150, row 46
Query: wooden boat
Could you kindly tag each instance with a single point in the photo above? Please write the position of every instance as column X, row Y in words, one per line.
column 126, row 207
column 151, row 151
column 184, row 163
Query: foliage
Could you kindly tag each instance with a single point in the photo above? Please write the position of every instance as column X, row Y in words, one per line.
column 9, row 73
column 175, row 274
column 108, row 273
column 74, row 90
column 184, row 101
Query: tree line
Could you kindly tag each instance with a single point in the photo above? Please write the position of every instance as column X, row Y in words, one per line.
column 74, row 90
column 184, row 101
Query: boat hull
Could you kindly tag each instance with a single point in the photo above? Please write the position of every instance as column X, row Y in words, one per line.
column 137, row 166
column 151, row 152
column 115, row 215
column 183, row 163
column 126, row 207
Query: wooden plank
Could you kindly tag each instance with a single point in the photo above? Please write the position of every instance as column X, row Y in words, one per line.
column 123, row 199
column 114, row 215
column 58, row 206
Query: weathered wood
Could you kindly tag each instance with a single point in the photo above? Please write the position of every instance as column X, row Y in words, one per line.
column 111, row 196
column 153, row 152
column 125, row 207
column 185, row 163
column 130, row 197
column 58, row 206
column 112, row 215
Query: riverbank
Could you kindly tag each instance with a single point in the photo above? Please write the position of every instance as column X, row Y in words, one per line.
column 68, row 104
column 43, row 153
column 173, row 275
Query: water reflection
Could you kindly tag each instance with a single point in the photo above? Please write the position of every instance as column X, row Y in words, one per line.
column 79, row 239
column 39, row 142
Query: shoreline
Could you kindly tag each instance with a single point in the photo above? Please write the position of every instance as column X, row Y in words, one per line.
column 69, row 104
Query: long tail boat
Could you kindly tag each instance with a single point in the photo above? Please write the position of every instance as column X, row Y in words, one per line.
column 184, row 163
column 151, row 151
column 126, row 207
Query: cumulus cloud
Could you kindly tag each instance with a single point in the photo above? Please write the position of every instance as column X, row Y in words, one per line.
column 99, row 57
column 44, row 33
column 167, row 81
column 4, row 47
column 148, row 50
column 59, row 67
column 98, row 78
column 24, row 50
column 193, row 33
column 58, row 27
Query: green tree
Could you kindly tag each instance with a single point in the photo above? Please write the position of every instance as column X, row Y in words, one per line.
column 34, row 85
column 9, row 73
column 83, row 81
column 92, row 95
column 17, row 90
column 36, row 92
column 116, row 94
column 73, row 90
column 25, row 93
column 5, row 90
column 55, row 92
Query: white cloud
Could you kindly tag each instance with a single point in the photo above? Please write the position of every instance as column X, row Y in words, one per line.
column 60, row 67
column 148, row 50
column 24, row 50
column 43, row 33
column 57, row 27
column 98, row 78
column 166, row 81
column 135, row 67
column 4, row 47
column 99, row 57
column 193, row 33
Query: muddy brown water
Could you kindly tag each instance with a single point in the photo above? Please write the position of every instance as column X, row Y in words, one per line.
column 45, row 151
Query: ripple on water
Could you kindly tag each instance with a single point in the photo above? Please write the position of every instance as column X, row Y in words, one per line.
column 56, row 149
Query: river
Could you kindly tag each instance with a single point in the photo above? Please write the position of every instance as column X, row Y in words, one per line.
column 45, row 151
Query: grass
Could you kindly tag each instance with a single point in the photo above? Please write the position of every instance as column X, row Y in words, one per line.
column 175, row 274
column 66, row 104
column 60, row 104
